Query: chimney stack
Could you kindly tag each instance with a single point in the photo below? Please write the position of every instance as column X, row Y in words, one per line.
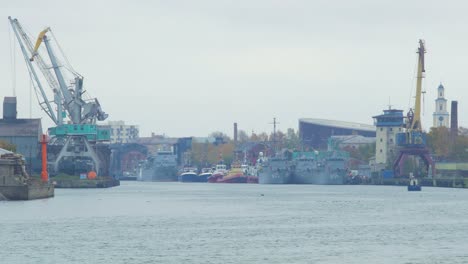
column 9, row 108
column 235, row 133
column 454, row 121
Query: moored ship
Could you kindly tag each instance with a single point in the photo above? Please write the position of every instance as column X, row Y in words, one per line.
column 250, row 172
column 161, row 167
column 335, row 168
column 328, row 167
column 219, row 171
column 275, row 170
column 205, row 174
column 305, row 168
column 321, row 167
column 234, row 175
column 188, row 174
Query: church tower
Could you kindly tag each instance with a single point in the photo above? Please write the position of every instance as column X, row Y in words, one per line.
column 441, row 116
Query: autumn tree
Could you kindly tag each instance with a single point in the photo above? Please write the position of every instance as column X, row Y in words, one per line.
column 438, row 140
column 459, row 150
column 292, row 139
column 242, row 136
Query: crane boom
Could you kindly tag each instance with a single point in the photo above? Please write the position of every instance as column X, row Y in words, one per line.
column 68, row 99
column 23, row 41
column 416, row 122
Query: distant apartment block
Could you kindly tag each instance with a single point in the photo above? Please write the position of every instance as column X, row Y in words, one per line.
column 121, row 133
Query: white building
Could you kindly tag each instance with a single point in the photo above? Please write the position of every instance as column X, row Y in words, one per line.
column 121, row 133
column 441, row 115
column 388, row 126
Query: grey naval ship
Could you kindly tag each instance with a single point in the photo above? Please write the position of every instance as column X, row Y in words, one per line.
column 328, row 167
column 275, row 170
column 161, row 167
column 305, row 169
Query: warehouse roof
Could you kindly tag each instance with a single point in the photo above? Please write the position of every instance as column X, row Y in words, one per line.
column 338, row 124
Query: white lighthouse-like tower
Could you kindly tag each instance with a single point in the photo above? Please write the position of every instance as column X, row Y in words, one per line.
column 441, row 116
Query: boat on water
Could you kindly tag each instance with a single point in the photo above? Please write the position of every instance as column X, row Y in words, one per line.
column 205, row 174
column 250, row 172
column 275, row 170
column 219, row 171
column 234, row 175
column 414, row 185
column 326, row 167
column 188, row 174
column 305, row 170
column 160, row 167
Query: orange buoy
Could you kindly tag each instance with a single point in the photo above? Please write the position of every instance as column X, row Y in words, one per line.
column 92, row 175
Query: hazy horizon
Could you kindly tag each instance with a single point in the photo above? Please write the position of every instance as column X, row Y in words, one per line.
column 188, row 68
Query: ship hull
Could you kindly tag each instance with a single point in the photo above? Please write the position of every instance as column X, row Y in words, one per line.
column 276, row 171
column 159, row 174
column 267, row 177
column 252, row 179
column 326, row 171
column 304, row 177
column 220, row 179
column 325, row 177
column 192, row 177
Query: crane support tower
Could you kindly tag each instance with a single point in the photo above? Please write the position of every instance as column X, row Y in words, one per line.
column 75, row 138
column 412, row 142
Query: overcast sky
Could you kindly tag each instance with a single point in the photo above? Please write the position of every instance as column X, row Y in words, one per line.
column 187, row 68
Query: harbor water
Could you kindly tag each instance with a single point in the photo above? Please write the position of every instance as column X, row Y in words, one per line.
column 151, row 222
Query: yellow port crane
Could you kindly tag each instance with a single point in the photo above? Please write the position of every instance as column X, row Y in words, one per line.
column 412, row 142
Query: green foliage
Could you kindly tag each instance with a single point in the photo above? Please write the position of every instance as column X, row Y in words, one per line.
column 7, row 146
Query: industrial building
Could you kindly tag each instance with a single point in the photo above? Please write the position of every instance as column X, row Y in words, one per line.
column 24, row 133
column 315, row 132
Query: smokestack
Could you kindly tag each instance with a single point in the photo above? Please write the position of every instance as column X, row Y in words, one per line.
column 235, row 133
column 9, row 108
column 454, row 121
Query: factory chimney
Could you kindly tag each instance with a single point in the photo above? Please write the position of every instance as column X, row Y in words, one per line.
column 454, row 121
column 235, row 134
column 9, row 108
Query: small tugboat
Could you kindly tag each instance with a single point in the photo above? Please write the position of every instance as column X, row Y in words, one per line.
column 414, row 185
column 219, row 172
column 250, row 172
column 205, row 174
column 189, row 174
column 234, row 175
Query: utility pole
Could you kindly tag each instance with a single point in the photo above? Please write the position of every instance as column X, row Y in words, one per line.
column 274, row 133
